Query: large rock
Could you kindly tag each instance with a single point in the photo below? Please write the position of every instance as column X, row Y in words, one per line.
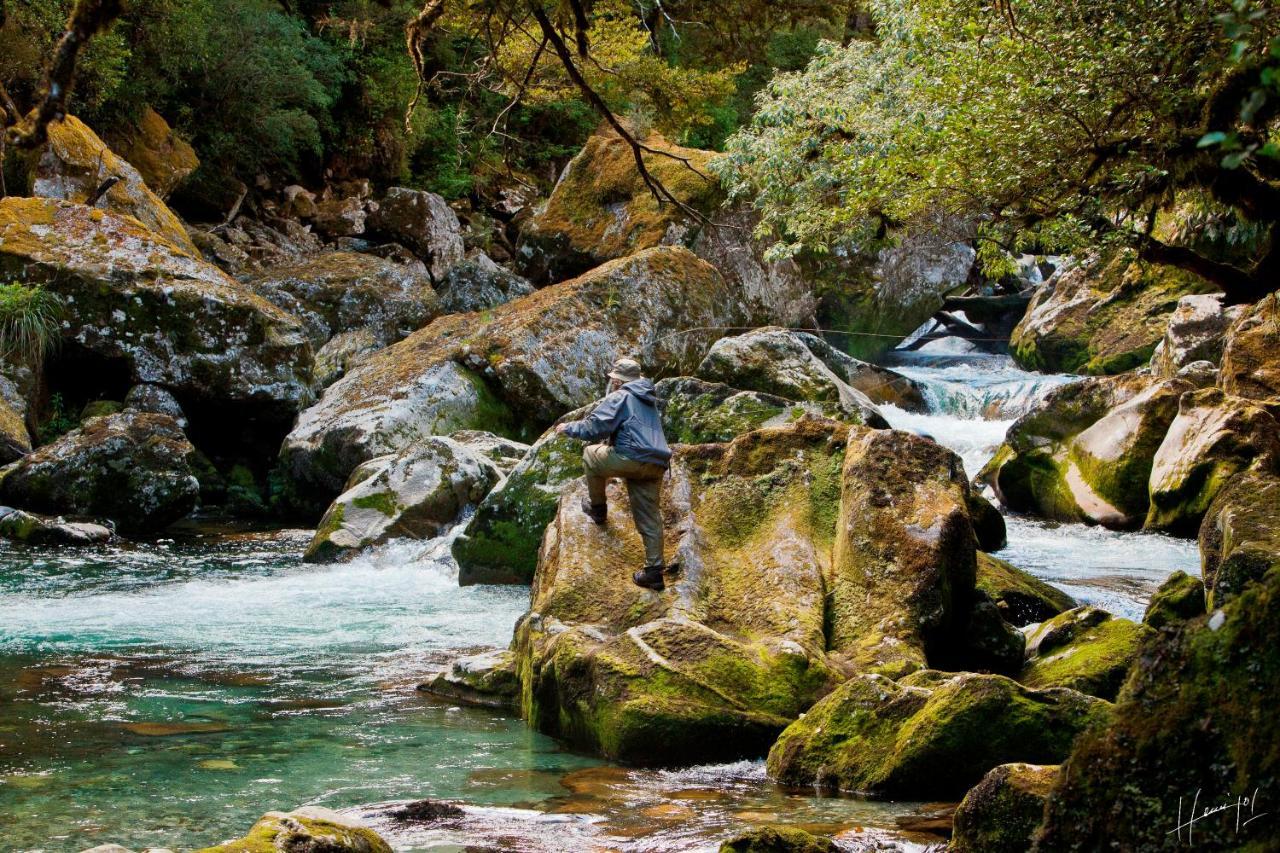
column 523, row 364
column 19, row 526
column 310, row 829
column 173, row 319
column 880, row 384
column 1240, row 536
column 1251, row 356
column 1196, row 332
column 344, row 291
column 478, row 283
column 1086, row 649
column 1179, row 598
column 1103, row 315
column 487, row 680
column 15, row 441
column 416, row 494
column 716, row 666
column 1196, row 716
column 1002, row 812
column 928, row 735
column 74, row 163
column 780, row 362
column 162, row 158
column 133, row 468
column 425, row 223
column 1085, row 453
column 778, row 839
column 1214, row 437
column 1022, row 598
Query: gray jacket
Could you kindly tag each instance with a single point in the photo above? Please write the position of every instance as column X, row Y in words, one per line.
column 629, row 419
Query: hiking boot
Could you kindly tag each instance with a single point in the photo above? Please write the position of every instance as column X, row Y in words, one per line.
column 598, row 514
column 650, row 577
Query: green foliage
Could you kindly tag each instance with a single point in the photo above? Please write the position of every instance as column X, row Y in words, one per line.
column 60, row 420
column 29, row 318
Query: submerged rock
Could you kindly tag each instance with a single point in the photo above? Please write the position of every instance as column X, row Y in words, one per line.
column 928, row 735
column 310, row 829
column 133, row 468
column 778, row 839
column 1002, row 812
column 20, row 526
column 344, row 291
column 74, row 163
column 425, row 223
column 1022, row 598
column 1197, row 714
column 1214, row 437
column 1240, row 535
column 1086, row 649
column 478, row 283
column 489, row 680
column 1103, row 315
column 416, row 494
column 174, row 320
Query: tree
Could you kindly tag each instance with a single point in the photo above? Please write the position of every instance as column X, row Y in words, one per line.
column 1063, row 122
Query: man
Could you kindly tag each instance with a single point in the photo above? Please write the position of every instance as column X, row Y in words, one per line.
column 633, row 447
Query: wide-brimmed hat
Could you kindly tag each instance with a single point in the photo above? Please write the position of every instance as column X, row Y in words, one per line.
column 626, row 370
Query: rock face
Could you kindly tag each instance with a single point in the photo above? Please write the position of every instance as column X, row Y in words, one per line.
column 1251, row 356
column 133, row 468
column 425, row 223
column 1193, row 716
column 504, row 453
column 928, row 735
column 19, row 526
column 714, row 668
column 311, row 829
column 153, row 398
column 1085, row 454
column 1021, row 598
column 1213, row 437
column 162, row 158
column 531, row 359
column 344, row 291
column 75, row 162
column 1086, row 649
column 174, row 320
column 779, row 362
column 1104, row 315
column 416, row 494
column 1001, row 813
column 1196, row 332
column 478, row 283
column 1239, row 537
column 15, row 441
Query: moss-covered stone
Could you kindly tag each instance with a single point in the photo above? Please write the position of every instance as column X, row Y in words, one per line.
column 988, row 523
column 488, row 680
column 1086, row 649
column 1214, row 437
column 19, row 526
column 778, row 839
column 1240, row 535
column 1102, row 316
column 15, row 441
column 1002, row 812
column 1197, row 714
column 162, row 158
column 991, row 643
column 1021, row 597
column 875, row 736
column 307, row 830
column 1251, row 355
column 99, row 408
column 1179, row 598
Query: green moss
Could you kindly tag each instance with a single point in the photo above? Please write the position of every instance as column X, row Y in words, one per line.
column 1085, row 649
column 274, row 833
column 383, row 502
column 1001, row 813
column 1022, row 598
column 1179, row 598
column 778, row 839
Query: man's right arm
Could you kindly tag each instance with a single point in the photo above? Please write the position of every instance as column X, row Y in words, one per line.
column 598, row 425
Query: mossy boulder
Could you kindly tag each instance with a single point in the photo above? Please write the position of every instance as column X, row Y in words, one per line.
column 133, row 468
column 1197, row 714
column 988, row 523
column 477, row 284
column 488, row 680
column 425, row 223
column 935, row 737
column 74, row 162
column 1002, row 812
column 1022, row 598
column 310, row 829
column 695, row 411
column 880, row 384
column 340, row 292
column 1102, row 316
column 513, row 369
column 1086, row 649
column 415, row 494
column 1214, row 437
column 15, row 441
column 1240, row 536
column 779, row 362
column 1179, row 598
column 1251, row 355
column 100, row 408
column 991, row 643
column 162, row 158
column 1196, row 332
column 713, row 668
column 778, row 839
column 173, row 319
column 19, row 526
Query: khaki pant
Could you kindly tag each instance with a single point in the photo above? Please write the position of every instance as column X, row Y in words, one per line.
column 644, row 489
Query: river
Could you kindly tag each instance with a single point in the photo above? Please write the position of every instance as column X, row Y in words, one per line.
column 166, row 693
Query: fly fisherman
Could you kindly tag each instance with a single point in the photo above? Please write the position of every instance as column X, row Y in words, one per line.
column 628, row 426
